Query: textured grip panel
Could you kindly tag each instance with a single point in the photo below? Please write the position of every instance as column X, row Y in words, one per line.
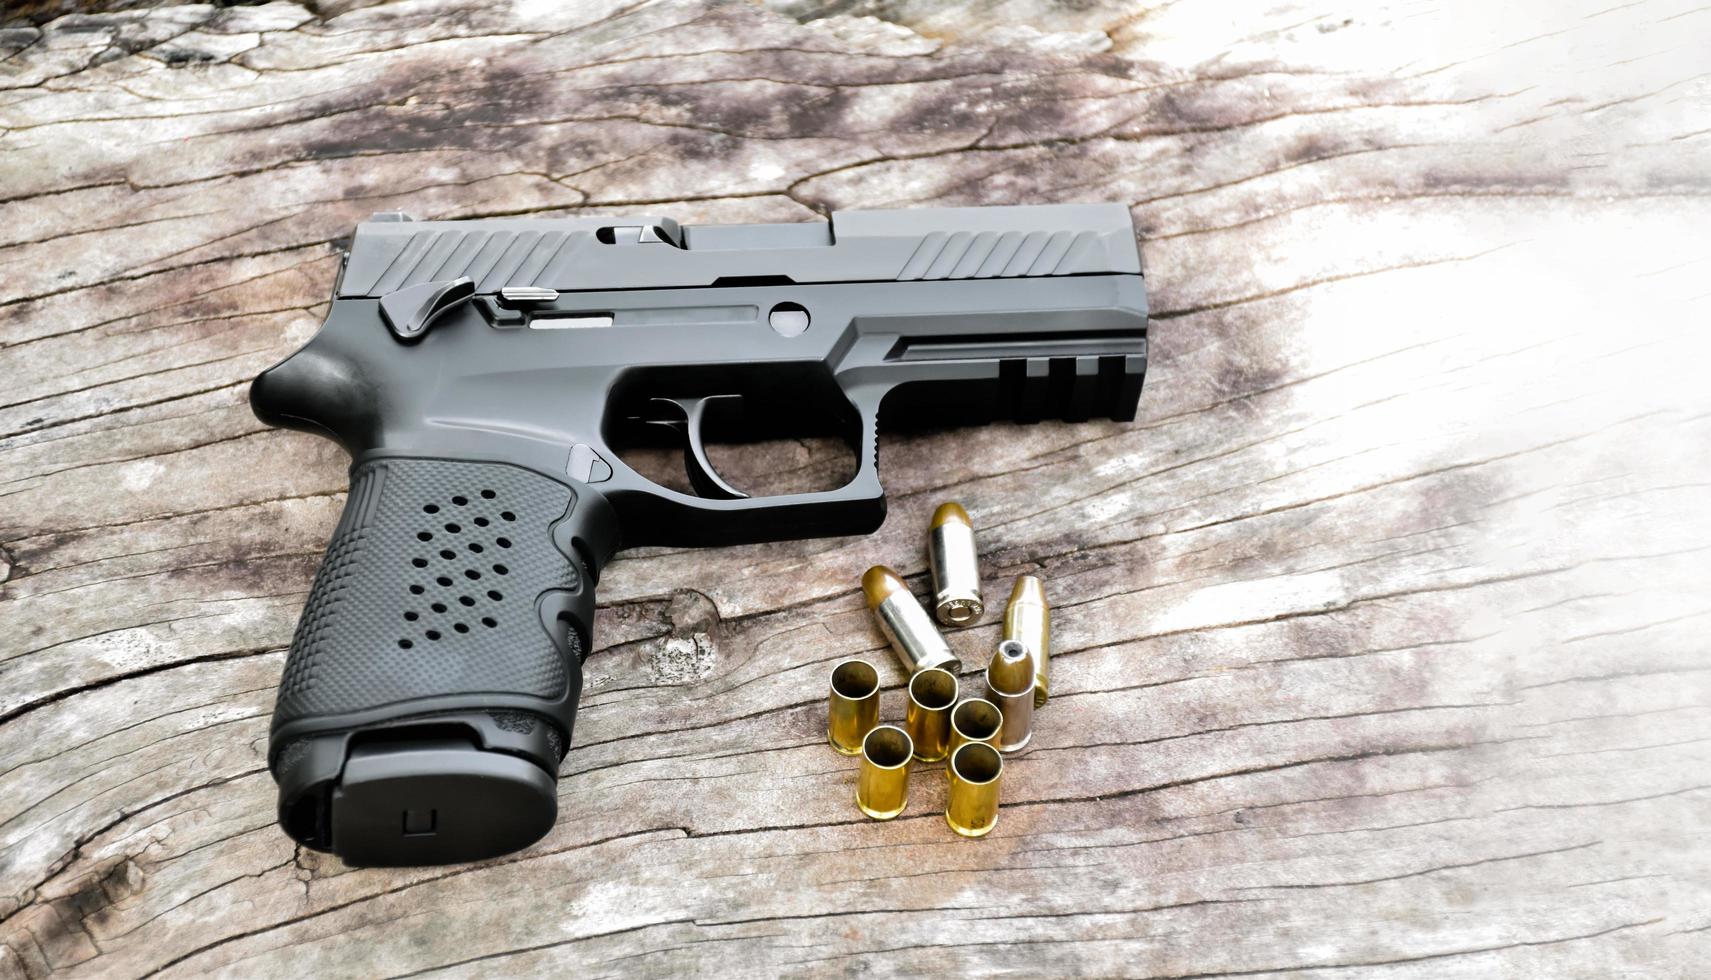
column 429, row 589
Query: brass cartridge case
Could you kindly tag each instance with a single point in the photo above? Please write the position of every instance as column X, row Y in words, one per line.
column 852, row 705
column 932, row 692
column 974, row 720
column 882, row 788
column 1010, row 686
column 1028, row 618
column 971, row 805
column 956, row 566
column 911, row 632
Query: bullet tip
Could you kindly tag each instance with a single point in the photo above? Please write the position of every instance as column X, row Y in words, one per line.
column 1028, row 589
column 951, row 513
column 1011, row 670
column 880, row 582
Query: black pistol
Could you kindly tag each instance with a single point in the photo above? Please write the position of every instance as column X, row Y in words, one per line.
column 487, row 378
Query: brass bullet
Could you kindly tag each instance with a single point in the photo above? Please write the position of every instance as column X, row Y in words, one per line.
column 906, row 625
column 1010, row 685
column 932, row 692
column 971, row 806
column 956, row 566
column 852, row 705
column 1028, row 618
column 974, row 720
column 882, row 788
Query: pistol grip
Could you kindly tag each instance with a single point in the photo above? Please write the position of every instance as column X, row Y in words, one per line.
column 431, row 686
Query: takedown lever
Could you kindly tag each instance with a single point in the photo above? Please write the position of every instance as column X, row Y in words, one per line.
column 409, row 312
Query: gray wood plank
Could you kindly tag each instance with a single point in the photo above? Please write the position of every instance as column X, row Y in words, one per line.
column 1380, row 631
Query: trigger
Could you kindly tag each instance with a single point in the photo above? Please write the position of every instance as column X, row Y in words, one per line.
column 702, row 477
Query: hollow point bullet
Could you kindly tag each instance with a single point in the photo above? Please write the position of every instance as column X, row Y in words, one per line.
column 906, row 625
column 1010, row 686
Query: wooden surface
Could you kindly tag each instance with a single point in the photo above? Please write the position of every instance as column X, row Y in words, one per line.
column 1380, row 632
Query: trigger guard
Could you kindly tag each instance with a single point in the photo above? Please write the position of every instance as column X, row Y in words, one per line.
column 706, row 481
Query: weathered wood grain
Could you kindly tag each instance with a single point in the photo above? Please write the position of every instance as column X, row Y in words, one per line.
column 1381, row 632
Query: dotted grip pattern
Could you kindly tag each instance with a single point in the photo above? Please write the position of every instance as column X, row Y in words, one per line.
column 429, row 589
